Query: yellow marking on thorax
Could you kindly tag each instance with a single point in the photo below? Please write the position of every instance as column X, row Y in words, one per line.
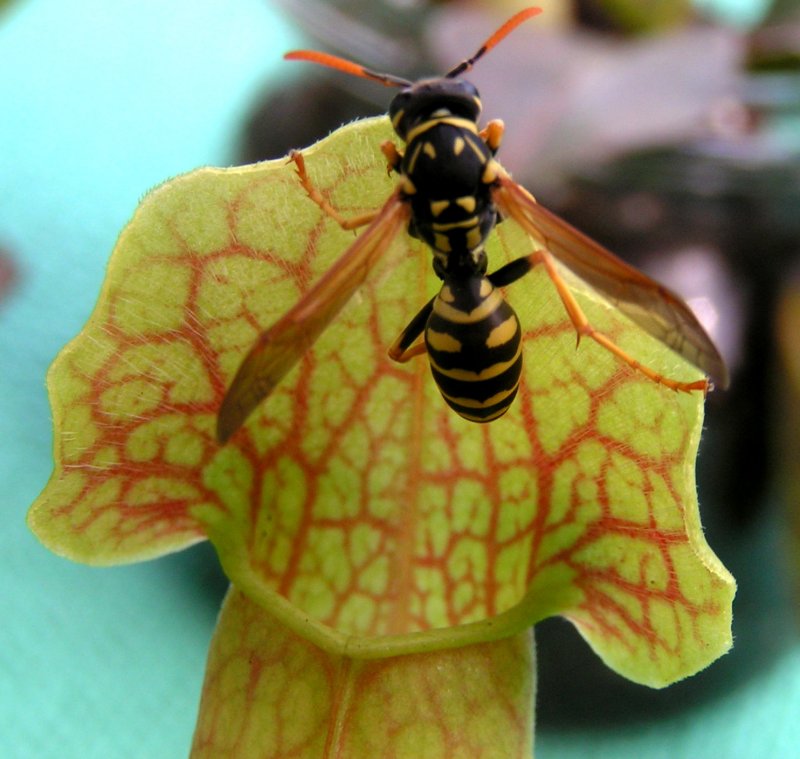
column 467, row 202
column 446, row 294
column 490, row 172
column 442, row 242
column 412, row 161
column 455, row 121
column 429, row 150
column 474, row 237
column 442, row 341
column 486, row 288
column 407, row 186
column 502, row 333
column 472, row 221
column 442, row 307
column 458, row 146
column 438, row 206
column 477, row 148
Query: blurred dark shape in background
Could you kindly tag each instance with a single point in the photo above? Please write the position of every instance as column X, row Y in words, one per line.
column 301, row 113
column 8, row 274
column 676, row 143
column 720, row 226
column 633, row 16
column 786, row 438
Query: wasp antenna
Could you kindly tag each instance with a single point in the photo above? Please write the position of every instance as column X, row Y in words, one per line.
column 340, row 64
column 502, row 32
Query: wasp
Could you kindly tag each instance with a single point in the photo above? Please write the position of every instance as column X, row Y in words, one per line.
column 451, row 193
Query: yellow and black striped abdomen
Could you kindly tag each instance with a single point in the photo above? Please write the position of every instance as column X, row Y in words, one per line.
column 474, row 347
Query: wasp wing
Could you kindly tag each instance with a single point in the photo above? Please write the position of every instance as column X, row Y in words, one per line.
column 655, row 308
column 279, row 347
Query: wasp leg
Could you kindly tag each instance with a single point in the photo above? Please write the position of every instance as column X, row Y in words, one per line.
column 512, row 271
column 492, row 134
column 401, row 349
column 314, row 194
column 518, row 268
column 393, row 156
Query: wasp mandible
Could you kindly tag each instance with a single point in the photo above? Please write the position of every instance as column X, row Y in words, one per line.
column 451, row 193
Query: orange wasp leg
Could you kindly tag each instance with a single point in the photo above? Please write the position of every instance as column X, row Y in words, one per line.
column 354, row 222
column 492, row 134
column 585, row 329
column 393, row 156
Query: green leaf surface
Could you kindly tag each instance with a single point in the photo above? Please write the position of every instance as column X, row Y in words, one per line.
column 355, row 507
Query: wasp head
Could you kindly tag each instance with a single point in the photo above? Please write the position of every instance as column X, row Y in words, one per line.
column 433, row 99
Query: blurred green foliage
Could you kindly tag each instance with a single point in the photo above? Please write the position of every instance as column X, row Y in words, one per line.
column 643, row 16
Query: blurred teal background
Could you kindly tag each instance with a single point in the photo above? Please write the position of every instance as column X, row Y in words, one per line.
column 99, row 102
column 738, row 12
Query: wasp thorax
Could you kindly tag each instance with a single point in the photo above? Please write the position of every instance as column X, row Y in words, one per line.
column 433, row 99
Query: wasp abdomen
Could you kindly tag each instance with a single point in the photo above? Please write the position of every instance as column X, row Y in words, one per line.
column 474, row 347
